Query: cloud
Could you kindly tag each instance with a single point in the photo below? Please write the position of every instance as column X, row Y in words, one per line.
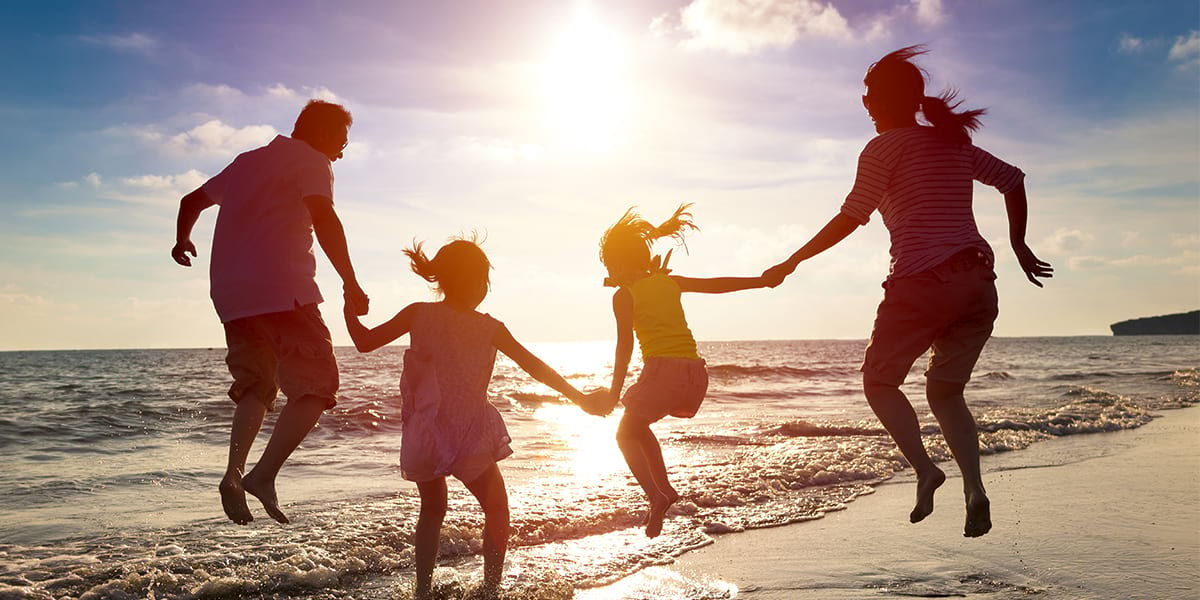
column 929, row 12
column 747, row 26
column 1185, row 241
column 1127, row 44
column 1186, row 50
column 1184, row 263
column 92, row 179
column 280, row 90
column 1065, row 240
column 216, row 137
column 131, row 42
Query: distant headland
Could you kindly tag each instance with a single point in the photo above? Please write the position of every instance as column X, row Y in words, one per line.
column 1187, row 323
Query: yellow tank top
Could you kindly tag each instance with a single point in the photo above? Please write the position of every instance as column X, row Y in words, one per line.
column 658, row 318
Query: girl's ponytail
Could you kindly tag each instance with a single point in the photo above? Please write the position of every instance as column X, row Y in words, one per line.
column 954, row 126
column 674, row 227
column 421, row 264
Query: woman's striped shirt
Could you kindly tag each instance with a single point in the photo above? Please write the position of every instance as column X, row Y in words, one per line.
column 921, row 184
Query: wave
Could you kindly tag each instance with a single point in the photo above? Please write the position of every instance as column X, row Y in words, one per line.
column 732, row 371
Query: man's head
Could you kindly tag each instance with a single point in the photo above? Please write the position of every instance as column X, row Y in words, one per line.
column 325, row 126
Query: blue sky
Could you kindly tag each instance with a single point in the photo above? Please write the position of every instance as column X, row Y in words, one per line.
column 538, row 123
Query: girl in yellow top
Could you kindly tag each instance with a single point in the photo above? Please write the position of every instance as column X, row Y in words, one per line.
column 673, row 379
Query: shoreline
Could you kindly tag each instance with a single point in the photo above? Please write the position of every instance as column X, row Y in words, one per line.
column 1108, row 515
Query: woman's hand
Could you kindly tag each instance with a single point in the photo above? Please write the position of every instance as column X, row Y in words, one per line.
column 1032, row 265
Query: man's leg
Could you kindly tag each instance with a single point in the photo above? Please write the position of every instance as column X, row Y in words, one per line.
column 898, row 418
column 247, row 419
column 295, row 421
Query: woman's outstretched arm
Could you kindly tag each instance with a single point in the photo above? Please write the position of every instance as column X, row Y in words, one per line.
column 1017, row 206
column 835, row 231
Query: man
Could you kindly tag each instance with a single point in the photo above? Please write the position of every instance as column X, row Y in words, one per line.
column 263, row 286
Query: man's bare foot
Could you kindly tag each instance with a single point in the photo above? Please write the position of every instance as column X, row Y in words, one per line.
column 927, row 484
column 265, row 492
column 658, row 512
column 233, row 499
column 979, row 516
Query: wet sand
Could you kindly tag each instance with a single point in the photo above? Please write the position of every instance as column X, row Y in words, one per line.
column 1111, row 515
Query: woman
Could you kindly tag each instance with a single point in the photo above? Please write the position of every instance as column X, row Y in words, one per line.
column 940, row 291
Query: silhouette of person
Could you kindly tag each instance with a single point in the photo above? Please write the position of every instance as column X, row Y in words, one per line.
column 940, row 291
column 674, row 378
column 262, row 280
column 449, row 428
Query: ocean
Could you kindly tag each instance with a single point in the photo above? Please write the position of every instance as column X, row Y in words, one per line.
column 112, row 458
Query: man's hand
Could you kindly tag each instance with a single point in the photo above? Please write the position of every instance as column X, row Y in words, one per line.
column 1032, row 265
column 357, row 301
column 181, row 250
column 775, row 275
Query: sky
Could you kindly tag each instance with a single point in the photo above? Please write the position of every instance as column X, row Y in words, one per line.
column 537, row 123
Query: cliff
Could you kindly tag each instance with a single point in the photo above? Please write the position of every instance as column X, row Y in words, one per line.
column 1177, row 324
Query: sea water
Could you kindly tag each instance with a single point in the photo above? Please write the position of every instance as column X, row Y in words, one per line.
column 112, row 458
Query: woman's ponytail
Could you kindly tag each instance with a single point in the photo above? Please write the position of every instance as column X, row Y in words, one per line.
column 954, row 126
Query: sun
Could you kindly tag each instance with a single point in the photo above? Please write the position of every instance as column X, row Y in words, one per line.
column 586, row 93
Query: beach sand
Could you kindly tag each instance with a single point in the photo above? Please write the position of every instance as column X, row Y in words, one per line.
column 1110, row 515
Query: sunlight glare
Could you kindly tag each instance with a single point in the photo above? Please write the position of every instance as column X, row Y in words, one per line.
column 586, row 92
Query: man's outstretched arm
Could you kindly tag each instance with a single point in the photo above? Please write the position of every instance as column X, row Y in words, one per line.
column 190, row 207
column 332, row 237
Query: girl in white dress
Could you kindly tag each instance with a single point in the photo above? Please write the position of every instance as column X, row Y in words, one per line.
column 448, row 425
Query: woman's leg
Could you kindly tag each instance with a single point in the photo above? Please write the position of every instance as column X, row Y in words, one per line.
column 489, row 490
column 644, row 457
column 429, row 530
column 898, row 418
column 958, row 427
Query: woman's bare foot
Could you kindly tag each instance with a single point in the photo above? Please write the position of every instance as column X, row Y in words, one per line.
column 233, row 499
column 979, row 516
column 658, row 512
column 927, row 483
column 265, row 492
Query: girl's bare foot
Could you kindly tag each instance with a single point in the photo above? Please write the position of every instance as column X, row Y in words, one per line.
column 927, row 483
column 658, row 512
column 233, row 499
column 265, row 492
column 979, row 516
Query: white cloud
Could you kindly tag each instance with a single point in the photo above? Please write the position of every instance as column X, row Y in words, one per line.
column 1186, row 49
column 1066, row 240
column 1127, row 44
column 930, row 12
column 747, row 26
column 321, row 92
column 217, row 137
column 92, row 179
column 131, row 42
column 1185, row 241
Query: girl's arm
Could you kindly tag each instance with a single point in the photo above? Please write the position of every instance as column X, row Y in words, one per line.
column 540, row 371
column 840, row 226
column 718, row 285
column 1017, row 207
column 365, row 339
column 623, row 312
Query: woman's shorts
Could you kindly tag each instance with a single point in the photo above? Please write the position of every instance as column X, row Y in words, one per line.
column 668, row 386
column 949, row 308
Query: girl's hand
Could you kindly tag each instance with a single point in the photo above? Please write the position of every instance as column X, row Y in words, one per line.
column 597, row 402
column 775, row 275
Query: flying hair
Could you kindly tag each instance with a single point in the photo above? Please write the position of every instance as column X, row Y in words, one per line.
column 457, row 264
column 898, row 82
column 627, row 243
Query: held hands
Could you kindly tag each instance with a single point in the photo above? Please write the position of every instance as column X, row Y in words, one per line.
column 597, row 402
column 775, row 275
column 181, row 250
column 1032, row 265
column 357, row 302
